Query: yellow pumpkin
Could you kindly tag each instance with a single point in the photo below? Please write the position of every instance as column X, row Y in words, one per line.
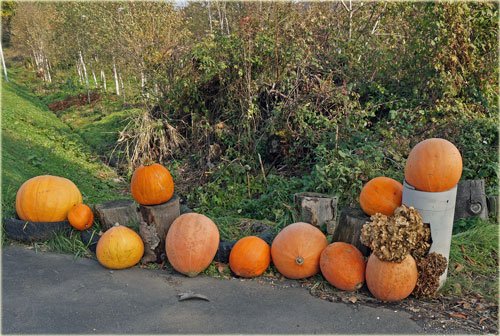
column 46, row 198
column 119, row 247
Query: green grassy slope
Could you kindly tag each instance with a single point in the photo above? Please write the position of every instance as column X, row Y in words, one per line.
column 35, row 142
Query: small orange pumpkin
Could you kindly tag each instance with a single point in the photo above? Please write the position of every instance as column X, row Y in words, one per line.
column 433, row 165
column 381, row 195
column 391, row 281
column 46, row 198
column 81, row 217
column 191, row 244
column 296, row 250
column 250, row 257
column 343, row 266
column 119, row 247
column 152, row 184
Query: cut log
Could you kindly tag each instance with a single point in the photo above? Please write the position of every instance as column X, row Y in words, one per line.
column 32, row 231
column 349, row 227
column 159, row 218
column 317, row 209
column 492, row 204
column 471, row 200
column 123, row 212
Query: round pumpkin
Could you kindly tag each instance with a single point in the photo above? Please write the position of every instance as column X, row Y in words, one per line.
column 46, row 198
column 119, row 247
column 433, row 165
column 381, row 195
column 152, row 184
column 343, row 266
column 296, row 250
column 250, row 257
column 81, row 217
column 191, row 244
column 391, row 281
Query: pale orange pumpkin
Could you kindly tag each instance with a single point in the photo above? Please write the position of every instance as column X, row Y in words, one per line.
column 391, row 281
column 381, row 195
column 46, row 198
column 343, row 266
column 119, row 247
column 152, row 184
column 250, row 257
column 296, row 250
column 191, row 244
column 433, row 165
column 81, row 217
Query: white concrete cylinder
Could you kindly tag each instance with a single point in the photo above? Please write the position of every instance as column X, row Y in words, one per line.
column 437, row 209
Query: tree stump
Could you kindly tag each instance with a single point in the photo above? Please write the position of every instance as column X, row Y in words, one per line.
column 349, row 227
column 471, row 200
column 157, row 220
column 317, row 209
column 123, row 212
column 492, row 202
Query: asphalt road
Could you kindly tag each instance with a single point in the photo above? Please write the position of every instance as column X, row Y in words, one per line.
column 57, row 294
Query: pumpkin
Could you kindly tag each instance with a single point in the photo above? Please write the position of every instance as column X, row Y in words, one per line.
column 152, row 184
column 81, row 217
column 250, row 257
column 296, row 250
column 343, row 266
column 381, row 195
column 191, row 244
column 433, row 165
column 119, row 247
column 46, row 198
column 391, row 281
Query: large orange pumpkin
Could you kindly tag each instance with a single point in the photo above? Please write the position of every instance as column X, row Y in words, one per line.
column 46, row 198
column 343, row 266
column 250, row 257
column 391, row 281
column 296, row 250
column 433, row 165
column 191, row 244
column 119, row 247
column 381, row 195
column 152, row 184
column 81, row 217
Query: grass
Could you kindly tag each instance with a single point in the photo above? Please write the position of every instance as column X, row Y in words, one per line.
column 473, row 264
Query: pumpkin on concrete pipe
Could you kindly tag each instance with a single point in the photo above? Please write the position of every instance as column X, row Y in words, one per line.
column 296, row 250
column 152, row 184
column 250, row 257
column 81, row 217
column 119, row 247
column 343, row 266
column 433, row 165
column 191, row 244
column 391, row 281
column 381, row 195
column 46, row 198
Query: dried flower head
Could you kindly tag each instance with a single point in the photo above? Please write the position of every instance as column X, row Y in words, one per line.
column 430, row 269
column 391, row 238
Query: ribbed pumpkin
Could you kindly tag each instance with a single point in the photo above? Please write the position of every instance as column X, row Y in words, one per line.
column 46, row 198
column 119, row 247
column 296, row 250
column 250, row 257
column 381, row 195
column 433, row 165
column 391, row 281
column 191, row 244
column 152, row 184
column 81, row 217
column 343, row 266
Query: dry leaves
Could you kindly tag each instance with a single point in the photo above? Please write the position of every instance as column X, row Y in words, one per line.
column 392, row 238
column 430, row 269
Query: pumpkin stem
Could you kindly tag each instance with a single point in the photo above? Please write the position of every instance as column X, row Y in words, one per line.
column 299, row 260
column 148, row 161
column 116, row 224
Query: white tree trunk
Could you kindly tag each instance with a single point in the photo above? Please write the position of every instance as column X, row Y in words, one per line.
column 121, row 84
column 84, row 70
column 47, row 67
column 210, row 16
column 103, row 80
column 3, row 64
column 117, row 85
column 79, row 71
